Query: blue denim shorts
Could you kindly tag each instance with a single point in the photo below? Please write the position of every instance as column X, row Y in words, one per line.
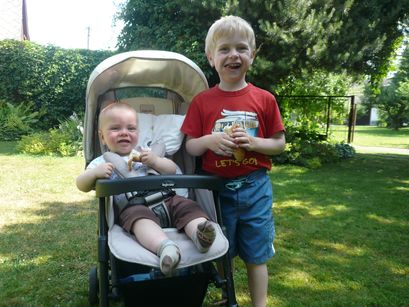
column 246, row 206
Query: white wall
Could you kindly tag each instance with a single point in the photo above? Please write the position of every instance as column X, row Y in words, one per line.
column 10, row 19
column 373, row 117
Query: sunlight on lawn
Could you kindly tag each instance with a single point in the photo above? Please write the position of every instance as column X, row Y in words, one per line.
column 23, row 260
column 339, row 248
column 315, row 210
column 388, row 221
column 297, row 278
column 373, row 136
column 396, row 268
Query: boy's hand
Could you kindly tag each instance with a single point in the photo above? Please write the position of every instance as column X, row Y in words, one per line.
column 243, row 139
column 222, row 144
column 104, row 170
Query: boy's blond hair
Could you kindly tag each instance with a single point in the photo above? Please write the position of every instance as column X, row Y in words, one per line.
column 228, row 25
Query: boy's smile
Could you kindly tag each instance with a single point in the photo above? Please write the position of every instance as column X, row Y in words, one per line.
column 232, row 58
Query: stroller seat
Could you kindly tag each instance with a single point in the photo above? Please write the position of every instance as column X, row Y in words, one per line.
column 126, row 248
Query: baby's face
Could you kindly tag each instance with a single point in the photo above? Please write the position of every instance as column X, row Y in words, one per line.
column 119, row 131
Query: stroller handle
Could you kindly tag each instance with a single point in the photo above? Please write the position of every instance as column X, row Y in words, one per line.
column 107, row 187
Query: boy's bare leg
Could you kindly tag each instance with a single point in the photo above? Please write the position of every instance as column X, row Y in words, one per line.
column 257, row 275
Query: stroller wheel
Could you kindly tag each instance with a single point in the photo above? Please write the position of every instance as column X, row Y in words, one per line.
column 93, row 286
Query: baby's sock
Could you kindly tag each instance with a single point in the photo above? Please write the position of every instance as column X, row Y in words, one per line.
column 205, row 235
column 169, row 254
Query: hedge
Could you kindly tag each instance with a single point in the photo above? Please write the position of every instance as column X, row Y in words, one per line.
column 52, row 79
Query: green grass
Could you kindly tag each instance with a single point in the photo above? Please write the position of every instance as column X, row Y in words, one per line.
column 374, row 136
column 47, row 231
column 342, row 233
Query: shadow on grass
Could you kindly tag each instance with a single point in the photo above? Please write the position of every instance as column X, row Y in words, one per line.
column 8, row 148
column 342, row 233
column 46, row 262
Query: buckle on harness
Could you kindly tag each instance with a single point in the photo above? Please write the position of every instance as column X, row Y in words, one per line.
column 158, row 197
column 161, row 211
column 156, row 202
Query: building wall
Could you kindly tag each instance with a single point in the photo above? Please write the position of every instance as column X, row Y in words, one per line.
column 374, row 117
column 11, row 18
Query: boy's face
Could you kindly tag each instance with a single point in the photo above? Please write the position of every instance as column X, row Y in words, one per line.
column 232, row 57
column 119, row 131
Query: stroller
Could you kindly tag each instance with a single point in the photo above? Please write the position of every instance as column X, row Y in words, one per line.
column 160, row 86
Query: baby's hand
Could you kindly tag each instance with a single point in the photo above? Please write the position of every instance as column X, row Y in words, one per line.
column 148, row 157
column 104, row 170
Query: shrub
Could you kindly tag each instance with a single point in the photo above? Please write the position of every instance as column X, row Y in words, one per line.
column 344, row 150
column 310, row 149
column 36, row 143
column 16, row 120
column 66, row 140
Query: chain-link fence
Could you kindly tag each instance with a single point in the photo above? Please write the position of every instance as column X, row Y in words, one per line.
column 333, row 116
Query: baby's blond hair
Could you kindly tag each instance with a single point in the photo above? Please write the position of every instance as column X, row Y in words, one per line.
column 228, row 25
column 112, row 105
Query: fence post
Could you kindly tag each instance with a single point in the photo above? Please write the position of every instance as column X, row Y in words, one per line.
column 351, row 120
column 328, row 116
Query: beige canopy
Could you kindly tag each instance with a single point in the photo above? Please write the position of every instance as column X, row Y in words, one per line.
column 143, row 68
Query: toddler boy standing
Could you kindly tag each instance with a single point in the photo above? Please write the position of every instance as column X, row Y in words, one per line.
column 235, row 127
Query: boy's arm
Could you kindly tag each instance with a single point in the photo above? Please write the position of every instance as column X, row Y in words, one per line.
column 86, row 181
column 197, row 146
column 219, row 143
column 268, row 146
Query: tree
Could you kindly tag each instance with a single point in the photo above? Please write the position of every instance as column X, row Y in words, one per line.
column 173, row 25
column 295, row 36
column 393, row 98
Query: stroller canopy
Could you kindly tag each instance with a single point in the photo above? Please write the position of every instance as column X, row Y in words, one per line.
column 151, row 68
column 143, row 68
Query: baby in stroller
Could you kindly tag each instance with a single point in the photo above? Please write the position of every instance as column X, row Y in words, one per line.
column 118, row 130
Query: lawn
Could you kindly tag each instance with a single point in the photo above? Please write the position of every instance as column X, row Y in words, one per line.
column 374, row 136
column 342, row 233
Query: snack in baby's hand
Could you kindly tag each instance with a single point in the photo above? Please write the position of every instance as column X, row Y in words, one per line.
column 238, row 153
column 134, row 156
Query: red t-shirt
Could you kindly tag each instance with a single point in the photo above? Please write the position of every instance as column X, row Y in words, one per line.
column 252, row 107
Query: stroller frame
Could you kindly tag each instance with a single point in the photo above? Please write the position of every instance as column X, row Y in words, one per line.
column 105, row 282
column 105, row 188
